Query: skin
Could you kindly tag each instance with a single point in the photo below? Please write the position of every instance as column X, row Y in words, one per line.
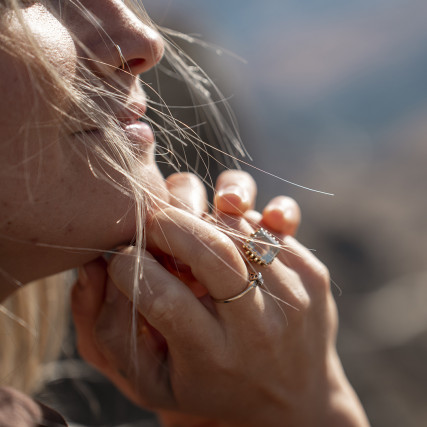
column 195, row 362
column 52, row 198
column 302, row 387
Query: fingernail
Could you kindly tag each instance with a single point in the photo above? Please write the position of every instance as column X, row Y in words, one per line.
column 289, row 215
column 83, row 278
column 235, row 190
column 112, row 292
column 275, row 209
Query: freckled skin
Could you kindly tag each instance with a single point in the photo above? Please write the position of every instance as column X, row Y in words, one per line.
column 51, row 197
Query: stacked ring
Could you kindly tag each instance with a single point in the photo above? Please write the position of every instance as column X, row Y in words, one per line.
column 255, row 280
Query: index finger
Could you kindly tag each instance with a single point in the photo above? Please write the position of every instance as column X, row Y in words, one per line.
column 212, row 256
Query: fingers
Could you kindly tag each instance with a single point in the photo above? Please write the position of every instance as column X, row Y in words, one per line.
column 135, row 351
column 312, row 271
column 282, row 214
column 211, row 255
column 87, row 297
column 235, row 192
column 296, row 256
column 235, row 195
column 187, row 192
column 164, row 301
column 103, row 318
column 282, row 282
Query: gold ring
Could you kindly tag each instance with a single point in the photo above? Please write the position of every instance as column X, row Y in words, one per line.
column 255, row 280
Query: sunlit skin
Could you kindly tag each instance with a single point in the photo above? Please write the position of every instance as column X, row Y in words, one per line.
column 195, row 363
column 51, row 196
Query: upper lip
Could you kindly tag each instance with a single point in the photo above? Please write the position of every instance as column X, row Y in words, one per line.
column 125, row 116
column 131, row 113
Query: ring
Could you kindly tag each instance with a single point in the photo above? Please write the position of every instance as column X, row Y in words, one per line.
column 255, row 279
column 262, row 247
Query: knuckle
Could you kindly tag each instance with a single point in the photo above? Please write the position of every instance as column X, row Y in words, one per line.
column 301, row 305
column 322, row 272
column 160, row 308
column 320, row 278
column 271, row 332
column 298, row 301
column 304, row 302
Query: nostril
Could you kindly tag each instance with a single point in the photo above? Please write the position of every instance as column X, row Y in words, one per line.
column 135, row 64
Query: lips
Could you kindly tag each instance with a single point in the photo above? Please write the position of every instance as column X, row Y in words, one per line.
column 138, row 132
column 133, row 112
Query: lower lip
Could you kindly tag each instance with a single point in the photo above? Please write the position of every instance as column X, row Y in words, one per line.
column 140, row 133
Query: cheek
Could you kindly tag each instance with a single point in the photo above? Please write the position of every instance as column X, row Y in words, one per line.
column 29, row 92
column 30, row 159
column 29, row 117
column 51, row 194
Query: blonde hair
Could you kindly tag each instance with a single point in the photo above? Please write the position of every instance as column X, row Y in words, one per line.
column 33, row 322
column 27, row 317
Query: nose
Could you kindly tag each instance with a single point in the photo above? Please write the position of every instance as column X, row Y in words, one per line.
column 120, row 39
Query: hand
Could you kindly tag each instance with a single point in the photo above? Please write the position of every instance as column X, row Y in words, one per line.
column 235, row 194
column 198, row 349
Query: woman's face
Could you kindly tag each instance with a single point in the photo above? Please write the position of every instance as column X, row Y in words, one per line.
column 50, row 199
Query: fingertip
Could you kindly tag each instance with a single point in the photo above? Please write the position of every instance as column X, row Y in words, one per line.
column 235, row 192
column 283, row 215
column 232, row 177
column 282, row 222
column 179, row 178
column 233, row 200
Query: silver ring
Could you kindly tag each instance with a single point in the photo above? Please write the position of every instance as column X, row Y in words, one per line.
column 262, row 247
column 255, row 280
column 122, row 58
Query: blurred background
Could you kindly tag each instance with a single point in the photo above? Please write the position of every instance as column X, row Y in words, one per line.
column 332, row 95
